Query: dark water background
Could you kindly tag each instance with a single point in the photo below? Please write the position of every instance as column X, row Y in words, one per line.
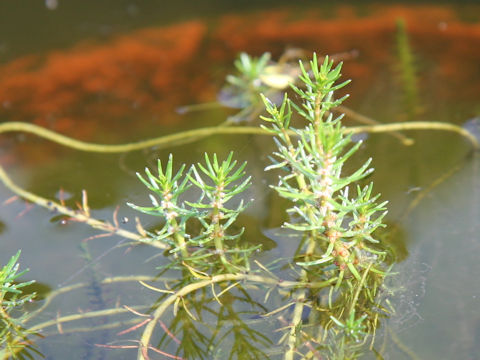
column 116, row 71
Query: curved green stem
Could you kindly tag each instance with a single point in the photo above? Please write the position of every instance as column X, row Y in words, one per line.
column 148, row 332
column 65, row 289
column 87, row 315
column 78, row 215
column 417, row 125
column 196, row 134
column 369, row 121
column 359, row 289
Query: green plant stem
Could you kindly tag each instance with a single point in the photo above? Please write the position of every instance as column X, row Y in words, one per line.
column 217, row 236
column 195, row 134
column 359, row 288
column 417, row 125
column 296, row 321
column 66, row 289
column 87, row 315
column 77, row 215
column 179, row 240
column 109, row 325
column 218, row 241
column 166, row 140
column 147, row 334
column 318, row 113
column 369, row 121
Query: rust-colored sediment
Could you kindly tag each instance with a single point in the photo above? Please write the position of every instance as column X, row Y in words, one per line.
column 143, row 76
column 451, row 44
column 73, row 91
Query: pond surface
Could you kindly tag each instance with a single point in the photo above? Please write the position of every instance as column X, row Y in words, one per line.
column 116, row 72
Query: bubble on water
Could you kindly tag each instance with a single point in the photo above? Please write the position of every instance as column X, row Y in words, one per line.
column 442, row 26
column 51, row 4
column 473, row 127
column 359, row 137
column 132, row 10
column 63, row 195
column 232, row 97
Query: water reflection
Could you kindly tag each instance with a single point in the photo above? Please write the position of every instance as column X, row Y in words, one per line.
column 440, row 306
column 473, row 125
column 75, row 91
column 2, row 227
column 130, row 85
column 226, row 330
column 148, row 73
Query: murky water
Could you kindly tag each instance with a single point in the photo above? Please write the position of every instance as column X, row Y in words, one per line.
column 113, row 73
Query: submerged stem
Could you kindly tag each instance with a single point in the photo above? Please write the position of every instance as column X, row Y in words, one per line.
column 197, row 134
column 78, row 215
column 147, row 334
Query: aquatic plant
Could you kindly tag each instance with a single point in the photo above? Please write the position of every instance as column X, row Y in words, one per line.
column 338, row 241
column 218, row 183
column 12, row 300
column 241, row 91
column 407, row 72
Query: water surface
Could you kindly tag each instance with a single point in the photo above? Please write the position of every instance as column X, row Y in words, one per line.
column 114, row 73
